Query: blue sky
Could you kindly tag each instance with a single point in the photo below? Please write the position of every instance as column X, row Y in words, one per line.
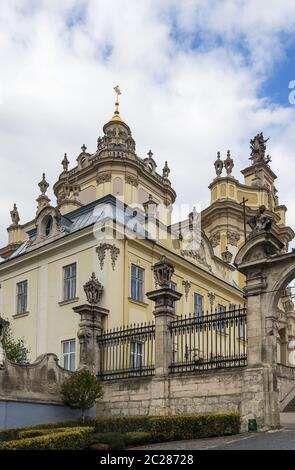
column 197, row 77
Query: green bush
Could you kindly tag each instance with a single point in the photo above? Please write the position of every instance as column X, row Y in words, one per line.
column 171, row 428
column 114, row 440
column 122, row 424
column 24, row 433
column 14, row 433
column 137, row 438
column 81, row 390
column 165, row 428
column 69, row 439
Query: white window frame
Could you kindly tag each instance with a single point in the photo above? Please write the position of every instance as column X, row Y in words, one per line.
column 66, row 356
column 20, row 311
column 136, row 355
column 137, row 281
column 72, row 280
column 198, row 314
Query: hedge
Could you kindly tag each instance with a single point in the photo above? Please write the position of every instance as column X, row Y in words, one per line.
column 14, row 433
column 24, row 433
column 70, row 439
column 178, row 427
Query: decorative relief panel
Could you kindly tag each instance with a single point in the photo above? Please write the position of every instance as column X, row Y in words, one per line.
column 101, row 252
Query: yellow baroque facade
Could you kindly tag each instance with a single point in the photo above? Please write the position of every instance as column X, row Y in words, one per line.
column 112, row 216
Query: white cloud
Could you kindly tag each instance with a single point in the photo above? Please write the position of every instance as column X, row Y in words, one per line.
column 60, row 61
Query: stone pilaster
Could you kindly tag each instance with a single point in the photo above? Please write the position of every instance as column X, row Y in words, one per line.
column 90, row 328
column 164, row 313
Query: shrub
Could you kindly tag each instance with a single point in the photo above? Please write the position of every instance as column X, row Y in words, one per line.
column 137, row 438
column 69, row 439
column 122, row 424
column 24, row 433
column 81, row 390
column 114, row 440
column 15, row 349
column 14, row 433
column 173, row 427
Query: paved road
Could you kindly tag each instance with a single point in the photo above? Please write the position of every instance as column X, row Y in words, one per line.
column 283, row 439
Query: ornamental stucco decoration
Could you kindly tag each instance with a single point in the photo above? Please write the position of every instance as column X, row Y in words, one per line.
column 187, row 285
column 101, row 253
column 232, row 238
column 163, row 272
column 227, row 256
column 215, row 239
column 132, row 180
column 104, row 178
column 211, row 297
column 93, row 290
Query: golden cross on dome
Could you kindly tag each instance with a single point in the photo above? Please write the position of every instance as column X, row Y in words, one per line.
column 118, row 92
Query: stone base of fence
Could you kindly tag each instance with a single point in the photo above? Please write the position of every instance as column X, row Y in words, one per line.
column 207, row 392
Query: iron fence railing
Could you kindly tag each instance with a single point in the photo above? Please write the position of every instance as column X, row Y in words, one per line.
column 212, row 341
column 127, row 352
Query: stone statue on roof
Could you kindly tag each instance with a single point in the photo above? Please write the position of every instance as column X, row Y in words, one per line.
column 258, row 148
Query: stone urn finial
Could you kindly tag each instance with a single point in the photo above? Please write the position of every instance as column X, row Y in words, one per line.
column 93, row 290
column 163, row 271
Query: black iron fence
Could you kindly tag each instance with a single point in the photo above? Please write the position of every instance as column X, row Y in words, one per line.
column 127, row 352
column 212, row 341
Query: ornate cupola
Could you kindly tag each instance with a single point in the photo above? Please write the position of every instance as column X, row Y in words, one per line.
column 117, row 140
column 114, row 168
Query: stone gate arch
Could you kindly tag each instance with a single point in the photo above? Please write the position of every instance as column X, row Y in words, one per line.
column 268, row 271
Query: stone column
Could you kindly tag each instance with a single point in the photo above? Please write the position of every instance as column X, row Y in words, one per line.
column 260, row 398
column 257, row 261
column 91, row 325
column 164, row 299
column 164, row 314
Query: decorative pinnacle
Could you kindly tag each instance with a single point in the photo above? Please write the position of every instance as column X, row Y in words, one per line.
column 43, row 185
column 118, row 92
column 84, row 148
column 150, row 154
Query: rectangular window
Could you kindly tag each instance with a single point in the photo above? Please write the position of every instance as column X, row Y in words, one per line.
column 198, row 305
column 69, row 354
column 220, row 312
column 22, row 297
column 137, row 279
column 70, row 278
column 173, row 286
column 136, row 355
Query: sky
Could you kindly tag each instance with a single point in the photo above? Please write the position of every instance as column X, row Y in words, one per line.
column 196, row 76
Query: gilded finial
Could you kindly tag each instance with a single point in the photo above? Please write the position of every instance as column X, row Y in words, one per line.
column 117, row 113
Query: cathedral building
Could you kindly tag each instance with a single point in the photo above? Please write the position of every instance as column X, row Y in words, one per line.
column 112, row 217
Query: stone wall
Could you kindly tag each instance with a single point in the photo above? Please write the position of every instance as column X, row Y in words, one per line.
column 214, row 391
column 29, row 394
